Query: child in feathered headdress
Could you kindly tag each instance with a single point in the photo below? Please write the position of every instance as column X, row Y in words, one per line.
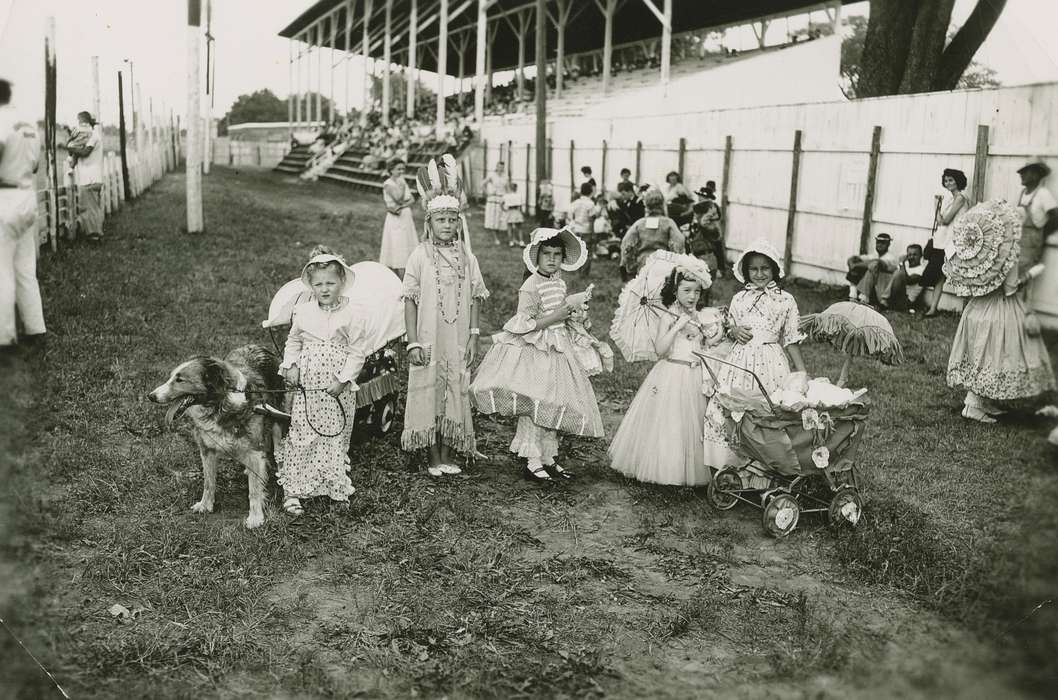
column 443, row 289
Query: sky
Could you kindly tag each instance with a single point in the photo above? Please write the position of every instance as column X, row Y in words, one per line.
column 250, row 54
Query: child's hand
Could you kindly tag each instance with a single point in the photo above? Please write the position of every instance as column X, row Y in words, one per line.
column 415, row 356
column 293, row 375
column 337, row 388
column 682, row 321
column 472, row 351
column 740, row 334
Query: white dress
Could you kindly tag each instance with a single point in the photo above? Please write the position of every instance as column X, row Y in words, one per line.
column 398, row 232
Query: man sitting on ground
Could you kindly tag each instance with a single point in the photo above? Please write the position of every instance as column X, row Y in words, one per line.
column 905, row 286
column 869, row 275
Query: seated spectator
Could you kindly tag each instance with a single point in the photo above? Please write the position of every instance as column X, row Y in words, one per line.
column 586, row 178
column 545, row 204
column 905, row 287
column 625, row 209
column 707, row 232
column 869, row 275
column 655, row 231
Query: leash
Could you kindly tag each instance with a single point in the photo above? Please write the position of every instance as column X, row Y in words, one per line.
column 35, row 660
column 305, row 407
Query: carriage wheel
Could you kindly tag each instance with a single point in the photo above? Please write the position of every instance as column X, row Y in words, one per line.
column 718, row 490
column 781, row 515
column 382, row 415
column 846, row 507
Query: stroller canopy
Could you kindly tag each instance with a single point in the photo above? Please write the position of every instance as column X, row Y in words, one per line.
column 375, row 292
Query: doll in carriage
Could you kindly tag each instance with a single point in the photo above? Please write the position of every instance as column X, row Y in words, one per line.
column 375, row 298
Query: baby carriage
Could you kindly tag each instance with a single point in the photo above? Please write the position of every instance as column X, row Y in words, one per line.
column 376, row 293
column 798, row 459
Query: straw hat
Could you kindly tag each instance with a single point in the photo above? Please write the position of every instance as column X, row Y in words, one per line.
column 984, row 247
column 576, row 249
column 761, row 247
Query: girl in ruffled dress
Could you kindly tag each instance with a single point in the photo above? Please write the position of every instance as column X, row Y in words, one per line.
column 325, row 349
column 660, row 437
column 443, row 289
column 532, row 370
column 763, row 323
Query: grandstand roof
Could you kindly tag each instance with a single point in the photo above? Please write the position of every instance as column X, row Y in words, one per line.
column 584, row 32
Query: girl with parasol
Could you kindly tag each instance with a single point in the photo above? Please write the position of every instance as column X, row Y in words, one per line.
column 533, row 370
column 660, row 437
column 443, row 289
column 997, row 353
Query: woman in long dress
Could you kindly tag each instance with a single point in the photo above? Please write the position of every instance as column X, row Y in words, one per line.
column 398, row 232
column 496, row 187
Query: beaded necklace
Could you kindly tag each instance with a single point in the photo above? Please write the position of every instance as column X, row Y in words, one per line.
column 447, row 315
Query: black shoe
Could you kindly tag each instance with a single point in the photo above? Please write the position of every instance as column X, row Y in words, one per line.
column 558, row 472
column 538, row 474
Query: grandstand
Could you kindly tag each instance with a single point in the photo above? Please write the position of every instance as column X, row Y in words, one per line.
column 583, row 38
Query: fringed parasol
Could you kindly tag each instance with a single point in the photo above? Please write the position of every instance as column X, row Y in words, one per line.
column 856, row 330
column 640, row 309
column 984, row 247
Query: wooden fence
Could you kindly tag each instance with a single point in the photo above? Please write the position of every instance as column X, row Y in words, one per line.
column 237, row 153
column 818, row 181
column 57, row 212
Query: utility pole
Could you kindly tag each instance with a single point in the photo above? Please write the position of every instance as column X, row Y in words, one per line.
column 193, row 170
column 541, row 93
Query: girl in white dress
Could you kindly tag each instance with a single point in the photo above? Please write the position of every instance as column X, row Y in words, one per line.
column 398, row 232
column 660, row 437
column 324, row 352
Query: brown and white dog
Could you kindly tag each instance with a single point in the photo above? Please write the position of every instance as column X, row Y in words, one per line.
column 218, row 396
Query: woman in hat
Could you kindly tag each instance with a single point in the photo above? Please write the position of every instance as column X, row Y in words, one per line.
column 496, row 187
column 398, row 231
column 325, row 349
column 950, row 207
column 655, row 231
column 1039, row 213
column 997, row 353
column 443, row 290
column 532, row 370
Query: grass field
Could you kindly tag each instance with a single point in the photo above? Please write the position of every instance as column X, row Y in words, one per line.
column 483, row 585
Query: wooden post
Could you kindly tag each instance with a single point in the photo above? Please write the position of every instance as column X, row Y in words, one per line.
column 543, row 143
column 479, row 61
column 602, row 173
column 297, row 85
column 442, row 68
column 560, row 19
column 493, row 31
column 193, row 171
column 347, row 59
column 123, row 140
column 365, row 44
column 724, row 183
column 980, row 163
column 608, row 10
column 510, row 160
column 550, row 170
column 319, row 71
column 528, row 154
column 96, row 102
column 681, row 156
column 639, row 159
column 333, row 19
column 207, row 136
column 51, row 152
column 868, row 200
column 666, row 48
column 791, row 210
column 572, row 172
column 484, row 160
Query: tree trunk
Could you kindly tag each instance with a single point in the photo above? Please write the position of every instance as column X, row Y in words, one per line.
column 964, row 44
column 886, row 47
column 927, row 44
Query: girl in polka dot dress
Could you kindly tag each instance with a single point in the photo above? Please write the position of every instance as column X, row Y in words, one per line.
column 325, row 351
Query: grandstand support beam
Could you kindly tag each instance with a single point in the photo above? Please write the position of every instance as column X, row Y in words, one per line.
column 411, row 77
column 521, row 29
column 462, row 43
column 365, row 44
column 442, row 67
column 479, row 60
column 290, row 90
column 560, row 19
column 319, row 71
column 666, row 47
column 492, row 32
column 348, row 41
column 387, row 58
column 193, row 171
column 334, row 41
column 543, row 144
column 297, row 86
column 608, row 9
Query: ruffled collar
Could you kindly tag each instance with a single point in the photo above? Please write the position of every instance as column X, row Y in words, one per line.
column 771, row 289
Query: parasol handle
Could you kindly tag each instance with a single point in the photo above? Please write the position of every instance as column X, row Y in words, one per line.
column 760, row 385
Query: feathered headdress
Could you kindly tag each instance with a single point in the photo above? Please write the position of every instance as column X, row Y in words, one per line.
column 440, row 187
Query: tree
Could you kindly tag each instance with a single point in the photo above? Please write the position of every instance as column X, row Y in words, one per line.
column 905, row 48
column 915, row 74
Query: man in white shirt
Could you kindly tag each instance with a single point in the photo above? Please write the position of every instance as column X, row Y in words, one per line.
column 88, row 172
column 19, row 291
column 1039, row 213
column 870, row 274
column 905, row 286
